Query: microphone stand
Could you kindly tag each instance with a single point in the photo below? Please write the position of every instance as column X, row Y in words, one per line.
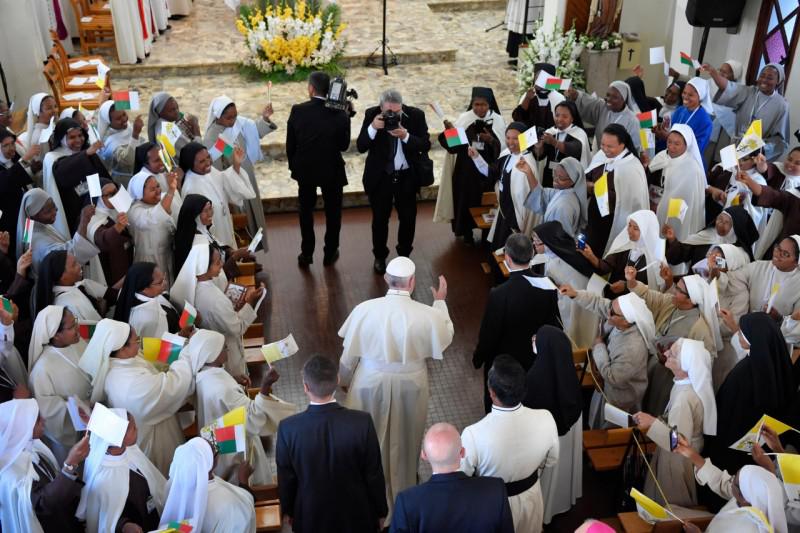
column 383, row 47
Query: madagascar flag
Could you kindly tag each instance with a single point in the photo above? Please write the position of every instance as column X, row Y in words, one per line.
column 188, row 316
column 86, row 330
column 127, row 100
column 176, row 527
column 648, row 119
column 553, row 84
column 165, row 350
column 455, row 137
column 686, row 59
column 28, row 234
column 221, row 147
column 228, row 431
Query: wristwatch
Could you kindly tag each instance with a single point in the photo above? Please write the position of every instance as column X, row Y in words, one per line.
column 69, row 469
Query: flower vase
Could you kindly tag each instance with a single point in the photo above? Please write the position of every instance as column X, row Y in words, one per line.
column 600, row 69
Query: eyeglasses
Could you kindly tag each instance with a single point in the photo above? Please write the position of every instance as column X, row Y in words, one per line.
column 784, row 254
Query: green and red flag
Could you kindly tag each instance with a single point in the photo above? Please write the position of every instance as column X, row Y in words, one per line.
column 165, row 350
column 455, row 137
column 228, row 431
column 86, row 329
column 125, row 100
column 686, row 59
column 221, row 147
column 188, row 316
column 648, row 119
column 27, row 235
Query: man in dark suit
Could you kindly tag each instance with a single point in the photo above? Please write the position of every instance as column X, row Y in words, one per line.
column 393, row 172
column 514, row 312
column 451, row 500
column 316, row 136
column 330, row 477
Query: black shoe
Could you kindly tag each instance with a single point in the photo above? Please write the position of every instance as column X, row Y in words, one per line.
column 304, row 260
column 330, row 259
column 379, row 266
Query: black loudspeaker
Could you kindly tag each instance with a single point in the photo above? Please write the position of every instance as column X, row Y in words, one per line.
column 714, row 13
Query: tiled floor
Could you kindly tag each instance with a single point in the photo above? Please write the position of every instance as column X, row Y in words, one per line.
column 479, row 60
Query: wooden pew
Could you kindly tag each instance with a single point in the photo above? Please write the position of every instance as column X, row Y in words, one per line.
column 268, row 518
column 477, row 217
column 633, row 523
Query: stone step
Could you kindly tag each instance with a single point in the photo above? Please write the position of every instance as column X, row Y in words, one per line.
column 438, row 6
column 278, row 190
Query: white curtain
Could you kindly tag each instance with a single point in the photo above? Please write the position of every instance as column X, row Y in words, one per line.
column 24, row 45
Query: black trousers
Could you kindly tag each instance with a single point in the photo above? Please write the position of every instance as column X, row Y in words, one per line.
column 332, row 201
column 400, row 191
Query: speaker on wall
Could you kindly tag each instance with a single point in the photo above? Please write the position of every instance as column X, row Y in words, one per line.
column 714, row 13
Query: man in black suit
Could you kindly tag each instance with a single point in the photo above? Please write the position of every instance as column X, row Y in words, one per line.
column 451, row 500
column 316, row 136
column 515, row 312
column 330, row 477
column 396, row 137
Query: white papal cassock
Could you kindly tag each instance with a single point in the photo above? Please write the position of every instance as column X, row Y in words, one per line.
column 511, row 443
column 392, row 336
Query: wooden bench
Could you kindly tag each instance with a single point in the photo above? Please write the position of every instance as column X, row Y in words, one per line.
column 477, row 217
column 499, row 259
column 607, row 448
column 633, row 523
column 256, row 330
column 268, row 518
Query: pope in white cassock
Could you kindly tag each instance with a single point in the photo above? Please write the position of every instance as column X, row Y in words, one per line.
column 392, row 336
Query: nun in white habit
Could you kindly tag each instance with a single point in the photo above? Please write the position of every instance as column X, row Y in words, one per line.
column 41, row 111
column 68, row 137
column 30, row 477
column 164, row 108
column 224, row 119
column 213, row 505
column 53, row 356
column 566, row 202
column 231, row 186
column 109, row 474
column 120, row 140
column 152, row 220
column 682, row 180
column 692, row 409
column 40, row 208
column 650, row 244
column 129, row 381
column 218, row 393
column 195, row 284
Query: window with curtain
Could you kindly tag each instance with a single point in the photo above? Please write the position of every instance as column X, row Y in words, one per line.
column 776, row 36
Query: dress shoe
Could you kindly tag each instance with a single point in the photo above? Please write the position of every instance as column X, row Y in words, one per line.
column 330, row 259
column 379, row 266
column 304, row 260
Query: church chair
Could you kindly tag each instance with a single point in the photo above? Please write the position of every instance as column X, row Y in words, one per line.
column 268, row 518
column 58, row 51
column 97, row 7
column 477, row 217
column 94, row 31
column 70, row 81
column 61, row 94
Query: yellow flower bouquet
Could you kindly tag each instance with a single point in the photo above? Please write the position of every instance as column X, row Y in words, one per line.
column 287, row 36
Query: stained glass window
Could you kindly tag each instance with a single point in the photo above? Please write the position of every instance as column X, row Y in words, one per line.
column 776, row 38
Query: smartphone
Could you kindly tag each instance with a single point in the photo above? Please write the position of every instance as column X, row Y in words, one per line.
column 673, row 438
column 581, row 240
column 720, row 262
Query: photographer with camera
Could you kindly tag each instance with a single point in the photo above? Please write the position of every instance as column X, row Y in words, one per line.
column 396, row 137
column 316, row 136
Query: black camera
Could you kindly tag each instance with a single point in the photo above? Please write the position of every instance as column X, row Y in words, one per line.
column 340, row 97
column 482, row 125
column 391, row 120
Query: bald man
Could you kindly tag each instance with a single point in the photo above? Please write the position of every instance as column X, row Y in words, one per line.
column 450, row 500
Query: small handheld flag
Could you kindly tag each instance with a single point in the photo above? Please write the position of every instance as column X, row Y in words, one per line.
column 27, row 236
column 184, row 526
column 686, row 59
column 789, row 464
column 165, row 159
column 102, row 75
column 551, row 83
column 8, row 307
column 188, row 315
column 228, row 432
column 165, row 350
column 127, row 100
column 455, row 137
column 86, row 329
column 281, row 349
column 269, row 91
column 648, row 119
column 528, row 139
column 601, row 195
column 677, row 208
column 222, row 147
column 652, row 507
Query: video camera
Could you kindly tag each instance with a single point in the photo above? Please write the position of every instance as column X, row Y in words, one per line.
column 340, row 97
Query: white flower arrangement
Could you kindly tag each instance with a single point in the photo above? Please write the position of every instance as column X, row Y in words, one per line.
column 291, row 35
column 554, row 46
column 611, row 41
